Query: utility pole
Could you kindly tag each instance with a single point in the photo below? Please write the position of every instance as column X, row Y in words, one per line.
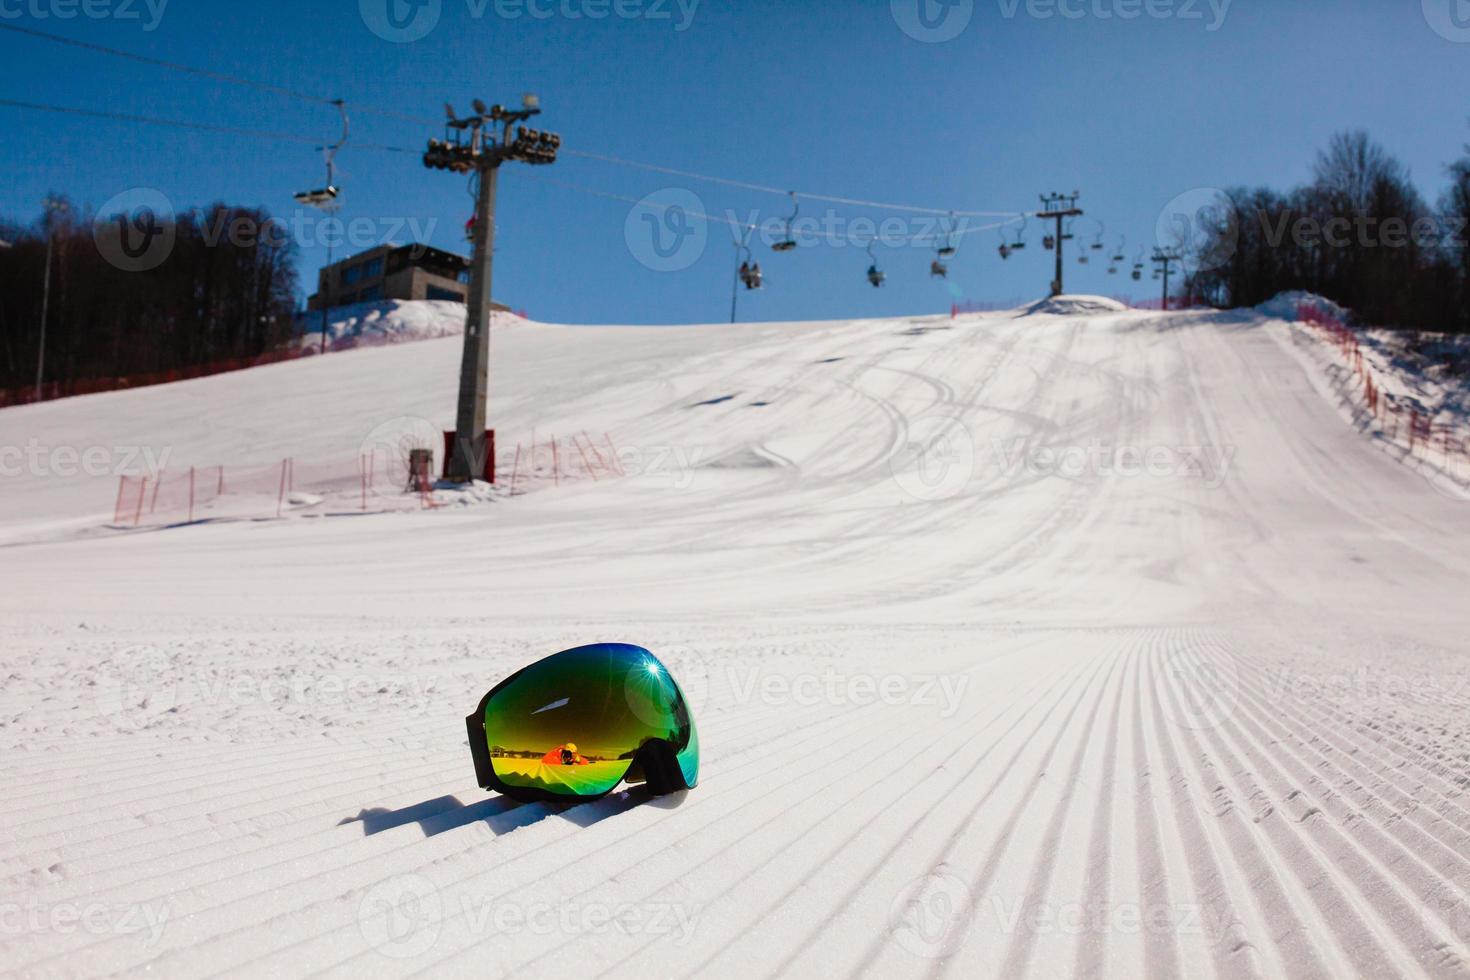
column 53, row 207
column 1165, row 258
column 735, row 295
column 476, row 148
column 1058, row 208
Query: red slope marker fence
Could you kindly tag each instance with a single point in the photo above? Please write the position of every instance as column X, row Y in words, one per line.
column 375, row 482
column 1396, row 417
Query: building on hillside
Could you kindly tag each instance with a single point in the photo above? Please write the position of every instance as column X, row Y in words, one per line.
column 394, row 272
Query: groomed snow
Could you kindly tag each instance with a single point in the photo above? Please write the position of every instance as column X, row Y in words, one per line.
column 1095, row 643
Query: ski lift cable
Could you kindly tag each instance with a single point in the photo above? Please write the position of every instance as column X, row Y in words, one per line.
column 282, row 90
column 784, row 192
column 1011, row 219
column 369, row 110
column 734, row 222
column 314, row 141
column 204, row 72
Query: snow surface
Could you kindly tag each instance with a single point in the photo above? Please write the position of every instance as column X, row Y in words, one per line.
column 1019, row 645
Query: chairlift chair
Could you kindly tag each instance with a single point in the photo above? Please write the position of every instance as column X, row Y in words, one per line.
column 325, row 198
column 938, row 270
column 951, row 234
column 876, row 276
column 749, row 271
column 789, row 242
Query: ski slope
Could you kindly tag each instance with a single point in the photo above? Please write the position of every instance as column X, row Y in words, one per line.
column 1080, row 642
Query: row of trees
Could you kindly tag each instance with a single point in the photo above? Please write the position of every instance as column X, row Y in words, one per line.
column 1359, row 234
column 138, row 293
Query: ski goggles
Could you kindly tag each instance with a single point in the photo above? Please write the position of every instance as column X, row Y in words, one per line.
column 573, row 726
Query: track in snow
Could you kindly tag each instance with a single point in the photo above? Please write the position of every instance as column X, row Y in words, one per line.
column 963, row 714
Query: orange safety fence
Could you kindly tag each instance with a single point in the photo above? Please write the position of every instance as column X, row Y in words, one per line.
column 1397, row 417
column 375, row 482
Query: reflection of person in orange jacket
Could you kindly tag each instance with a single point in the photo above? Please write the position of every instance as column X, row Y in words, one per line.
column 565, row 755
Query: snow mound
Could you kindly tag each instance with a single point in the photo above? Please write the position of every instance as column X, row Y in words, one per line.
column 747, row 458
column 1285, row 306
column 1076, row 306
column 384, row 322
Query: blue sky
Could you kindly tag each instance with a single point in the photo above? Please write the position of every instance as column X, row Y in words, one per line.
column 825, row 97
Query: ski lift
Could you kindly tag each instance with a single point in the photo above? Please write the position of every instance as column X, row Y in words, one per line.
column 876, row 276
column 951, row 235
column 789, row 242
column 749, row 271
column 1049, row 242
column 939, row 268
column 750, row 274
column 1138, row 265
column 1097, row 245
column 325, row 197
column 1020, row 243
column 1119, row 257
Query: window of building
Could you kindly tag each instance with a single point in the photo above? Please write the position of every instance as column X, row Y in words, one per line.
column 439, row 292
column 371, row 294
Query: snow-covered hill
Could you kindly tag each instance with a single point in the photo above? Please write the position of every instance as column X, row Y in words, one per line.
column 383, row 322
column 1080, row 641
